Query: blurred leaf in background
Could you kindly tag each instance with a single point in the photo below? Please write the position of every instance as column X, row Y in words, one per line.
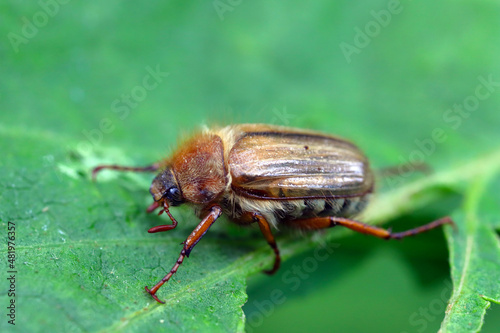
column 89, row 83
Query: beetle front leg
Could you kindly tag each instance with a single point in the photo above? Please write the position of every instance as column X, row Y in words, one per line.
column 266, row 231
column 189, row 244
column 332, row 221
column 150, row 168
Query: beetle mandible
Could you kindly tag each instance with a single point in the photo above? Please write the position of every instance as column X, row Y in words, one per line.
column 265, row 174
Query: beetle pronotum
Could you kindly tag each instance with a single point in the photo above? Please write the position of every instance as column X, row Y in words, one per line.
column 269, row 175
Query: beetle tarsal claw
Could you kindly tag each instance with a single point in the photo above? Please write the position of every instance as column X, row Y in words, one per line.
column 153, row 295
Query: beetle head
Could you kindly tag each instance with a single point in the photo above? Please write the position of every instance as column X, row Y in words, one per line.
column 165, row 189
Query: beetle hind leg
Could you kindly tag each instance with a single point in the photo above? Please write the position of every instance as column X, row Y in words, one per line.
column 316, row 223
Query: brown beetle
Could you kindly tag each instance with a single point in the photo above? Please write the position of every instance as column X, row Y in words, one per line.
column 266, row 174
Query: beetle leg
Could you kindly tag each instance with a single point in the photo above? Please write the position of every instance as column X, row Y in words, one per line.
column 403, row 169
column 149, row 168
column 332, row 221
column 189, row 243
column 266, row 231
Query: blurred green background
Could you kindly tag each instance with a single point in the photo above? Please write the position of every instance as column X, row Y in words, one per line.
column 384, row 74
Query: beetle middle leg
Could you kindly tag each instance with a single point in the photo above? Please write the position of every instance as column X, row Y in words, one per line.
column 266, row 231
column 315, row 223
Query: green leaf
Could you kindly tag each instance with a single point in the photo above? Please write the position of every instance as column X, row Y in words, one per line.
column 475, row 257
column 84, row 256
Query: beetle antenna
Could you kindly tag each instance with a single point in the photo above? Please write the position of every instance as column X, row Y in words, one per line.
column 152, row 207
column 164, row 227
column 165, row 208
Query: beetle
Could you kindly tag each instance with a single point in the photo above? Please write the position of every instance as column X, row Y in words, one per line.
column 265, row 174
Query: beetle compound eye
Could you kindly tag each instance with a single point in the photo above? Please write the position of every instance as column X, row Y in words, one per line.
column 174, row 196
column 174, row 192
